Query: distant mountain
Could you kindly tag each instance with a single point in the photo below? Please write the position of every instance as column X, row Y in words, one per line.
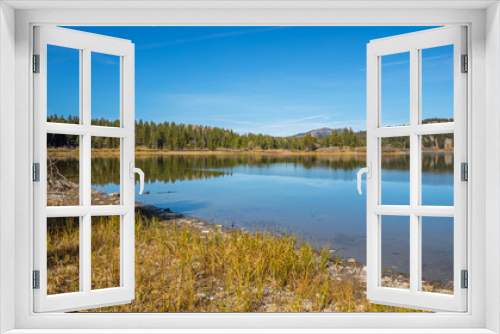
column 323, row 132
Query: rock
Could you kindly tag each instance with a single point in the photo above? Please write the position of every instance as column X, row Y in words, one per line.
column 387, row 279
column 351, row 260
column 332, row 251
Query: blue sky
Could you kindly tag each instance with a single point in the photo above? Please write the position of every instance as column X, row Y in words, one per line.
column 272, row 80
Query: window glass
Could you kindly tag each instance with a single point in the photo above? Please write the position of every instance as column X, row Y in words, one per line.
column 105, row 89
column 395, row 176
column 63, row 170
column 437, row 85
column 63, row 84
column 395, row 89
column 395, row 252
column 437, row 254
column 105, row 172
column 63, row 255
column 438, row 170
column 105, row 256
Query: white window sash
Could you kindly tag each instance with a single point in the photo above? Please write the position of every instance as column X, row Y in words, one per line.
column 85, row 298
column 415, row 297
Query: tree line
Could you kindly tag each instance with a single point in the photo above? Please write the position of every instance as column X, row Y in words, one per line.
column 177, row 137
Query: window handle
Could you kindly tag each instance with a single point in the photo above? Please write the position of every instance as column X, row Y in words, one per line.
column 134, row 170
column 368, row 171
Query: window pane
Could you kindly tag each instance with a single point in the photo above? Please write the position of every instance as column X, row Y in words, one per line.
column 105, row 174
column 395, row 171
column 437, row 170
column 63, row 255
column 437, row 84
column 63, row 84
column 395, row 252
column 105, row 252
column 105, row 89
column 395, row 89
column 437, row 254
column 63, row 176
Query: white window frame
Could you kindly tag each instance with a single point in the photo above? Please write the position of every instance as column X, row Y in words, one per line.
column 482, row 19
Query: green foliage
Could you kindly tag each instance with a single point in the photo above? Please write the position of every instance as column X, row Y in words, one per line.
column 179, row 137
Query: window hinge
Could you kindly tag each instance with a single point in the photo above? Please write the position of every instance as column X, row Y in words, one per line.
column 464, row 171
column 36, row 172
column 465, row 64
column 36, row 63
column 465, row 279
column 36, row 279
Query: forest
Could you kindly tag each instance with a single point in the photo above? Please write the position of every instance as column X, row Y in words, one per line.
column 179, row 137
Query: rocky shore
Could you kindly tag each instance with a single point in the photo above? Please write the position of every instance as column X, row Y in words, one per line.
column 60, row 191
column 340, row 268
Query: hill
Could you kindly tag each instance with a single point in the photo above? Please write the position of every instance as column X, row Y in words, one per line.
column 323, row 132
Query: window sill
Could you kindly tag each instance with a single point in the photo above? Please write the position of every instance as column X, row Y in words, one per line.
column 251, row 331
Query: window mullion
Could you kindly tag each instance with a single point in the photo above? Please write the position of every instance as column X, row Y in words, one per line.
column 85, row 147
column 86, row 170
column 414, row 170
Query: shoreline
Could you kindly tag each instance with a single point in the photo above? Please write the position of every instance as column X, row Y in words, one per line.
column 141, row 153
column 209, row 290
column 339, row 266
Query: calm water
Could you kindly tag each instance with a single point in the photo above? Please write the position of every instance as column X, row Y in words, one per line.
column 315, row 197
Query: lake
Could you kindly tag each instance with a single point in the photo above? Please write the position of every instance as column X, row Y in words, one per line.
column 314, row 197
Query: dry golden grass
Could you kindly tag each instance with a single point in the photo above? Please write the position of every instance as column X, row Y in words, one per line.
column 63, row 239
column 105, row 252
column 188, row 268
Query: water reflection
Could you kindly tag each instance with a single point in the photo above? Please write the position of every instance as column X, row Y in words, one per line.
column 190, row 167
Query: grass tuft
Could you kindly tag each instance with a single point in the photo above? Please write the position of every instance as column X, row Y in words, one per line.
column 185, row 268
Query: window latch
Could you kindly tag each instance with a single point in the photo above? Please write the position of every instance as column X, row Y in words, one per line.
column 132, row 171
column 368, row 171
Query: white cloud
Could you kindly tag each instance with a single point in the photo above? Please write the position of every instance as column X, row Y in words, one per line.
column 211, row 36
